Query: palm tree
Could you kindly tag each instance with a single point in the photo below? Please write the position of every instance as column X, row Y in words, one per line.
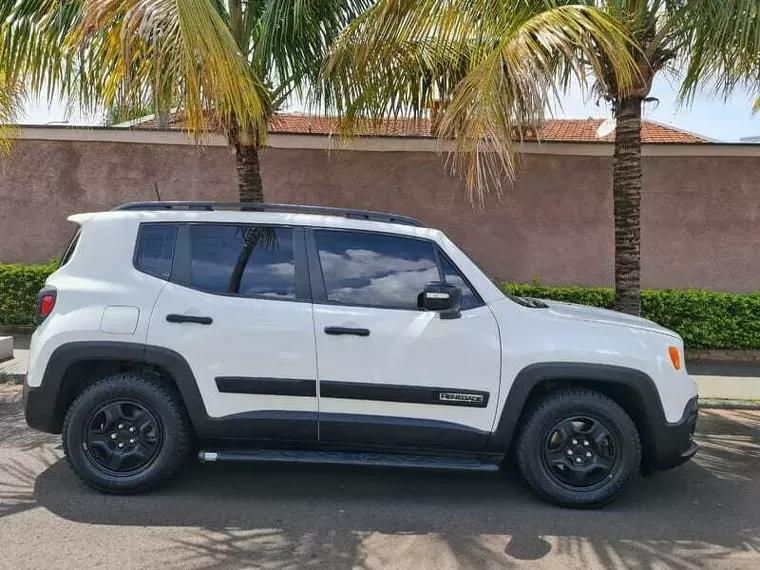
column 493, row 67
column 713, row 42
column 228, row 64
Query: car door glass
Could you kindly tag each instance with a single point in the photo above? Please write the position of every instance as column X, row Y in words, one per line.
column 375, row 270
column 155, row 249
column 246, row 260
column 452, row 276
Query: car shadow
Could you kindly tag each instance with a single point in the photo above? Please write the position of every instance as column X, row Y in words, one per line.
column 683, row 518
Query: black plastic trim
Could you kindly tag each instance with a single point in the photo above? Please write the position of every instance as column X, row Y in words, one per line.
column 403, row 393
column 266, row 386
column 390, row 432
column 657, row 436
column 343, row 457
column 339, row 331
column 174, row 318
column 45, row 406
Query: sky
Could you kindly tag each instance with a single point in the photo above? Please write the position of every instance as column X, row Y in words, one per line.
column 708, row 116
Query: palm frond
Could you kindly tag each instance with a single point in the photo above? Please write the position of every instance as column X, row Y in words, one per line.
column 183, row 47
column 724, row 48
column 494, row 64
column 291, row 37
column 11, row 101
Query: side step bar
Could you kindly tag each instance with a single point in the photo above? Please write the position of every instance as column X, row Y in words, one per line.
column 350, row 458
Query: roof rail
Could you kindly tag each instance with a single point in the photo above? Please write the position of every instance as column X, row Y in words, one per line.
column 264, row 207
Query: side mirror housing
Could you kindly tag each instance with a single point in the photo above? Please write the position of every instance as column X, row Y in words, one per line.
column 442, row 298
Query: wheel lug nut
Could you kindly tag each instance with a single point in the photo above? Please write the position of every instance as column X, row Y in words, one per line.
column 575, row 442
column 121, row 444
column 586, row 443
column 578, row 460
column 121, row 426
column 588, row 454
column 569, row 451
column 113, row 436
column 132, row 429
column 131, row 440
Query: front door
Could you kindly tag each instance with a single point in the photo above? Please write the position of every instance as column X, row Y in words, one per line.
column 237, row 308
column 391, row 374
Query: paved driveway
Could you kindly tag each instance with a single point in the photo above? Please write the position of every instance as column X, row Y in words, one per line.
column 703, row 515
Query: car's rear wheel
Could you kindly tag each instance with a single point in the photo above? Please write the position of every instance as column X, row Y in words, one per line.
column 126, row 434
column 579, row 448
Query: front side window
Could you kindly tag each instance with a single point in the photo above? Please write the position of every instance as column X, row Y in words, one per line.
column 452, row 276
column 155, row 249
column 246, row 260
column 375, row 270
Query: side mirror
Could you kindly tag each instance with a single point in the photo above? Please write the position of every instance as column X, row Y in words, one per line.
column 443, row 298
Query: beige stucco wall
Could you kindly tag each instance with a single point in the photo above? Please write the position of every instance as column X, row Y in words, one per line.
column 699, row 229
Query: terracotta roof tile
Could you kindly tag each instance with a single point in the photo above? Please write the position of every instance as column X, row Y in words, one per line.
column 553, row 130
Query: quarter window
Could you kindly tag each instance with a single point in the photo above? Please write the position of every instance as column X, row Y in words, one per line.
column 452, row 276
column 375, row 270
column 155, row 249
column 246, row 260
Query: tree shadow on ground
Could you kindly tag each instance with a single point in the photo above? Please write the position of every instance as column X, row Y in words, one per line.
column 700, row 515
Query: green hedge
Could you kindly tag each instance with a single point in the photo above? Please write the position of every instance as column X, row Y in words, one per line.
column 704, row 319
column 19, row 285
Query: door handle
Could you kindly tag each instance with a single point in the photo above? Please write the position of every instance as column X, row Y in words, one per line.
column 346, row 330
column 189, row 319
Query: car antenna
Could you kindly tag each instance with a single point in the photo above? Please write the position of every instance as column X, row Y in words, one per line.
column 158, row 194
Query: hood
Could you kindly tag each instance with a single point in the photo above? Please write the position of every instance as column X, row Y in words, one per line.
column 603, row 316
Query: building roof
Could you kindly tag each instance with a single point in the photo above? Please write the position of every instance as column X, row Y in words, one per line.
column 553, row 130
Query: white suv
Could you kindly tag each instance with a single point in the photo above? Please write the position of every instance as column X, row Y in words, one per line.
column 305, row 334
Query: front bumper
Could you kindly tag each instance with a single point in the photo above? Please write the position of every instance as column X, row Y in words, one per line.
column 670, row 445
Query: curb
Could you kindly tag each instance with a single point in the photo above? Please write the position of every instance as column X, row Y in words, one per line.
column 12, row 378
column 715, row 355
column 721, row 404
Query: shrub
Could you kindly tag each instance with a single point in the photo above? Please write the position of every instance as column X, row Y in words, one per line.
column 19, row 286
column 705, row 319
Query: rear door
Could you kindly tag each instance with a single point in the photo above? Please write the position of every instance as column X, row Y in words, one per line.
column 237, row 308
column 391, row 374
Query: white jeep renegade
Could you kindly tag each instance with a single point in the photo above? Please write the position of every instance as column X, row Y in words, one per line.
column 304, row 334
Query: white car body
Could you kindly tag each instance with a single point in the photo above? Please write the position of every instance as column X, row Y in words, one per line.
column 479, row 368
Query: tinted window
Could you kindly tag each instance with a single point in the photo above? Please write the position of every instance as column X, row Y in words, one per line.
column 155, row 249
column 374, row 269
column 452, row 276
column 70, row 249
column 243, row 260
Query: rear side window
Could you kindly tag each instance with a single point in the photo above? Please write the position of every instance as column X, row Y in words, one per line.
column 245, row 260
column 70, row 249
column 155, row 249
column 375, row 270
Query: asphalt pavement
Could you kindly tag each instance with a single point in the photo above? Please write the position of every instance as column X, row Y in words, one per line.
column 705, row 514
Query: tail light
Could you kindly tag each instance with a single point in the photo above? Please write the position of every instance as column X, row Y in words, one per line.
column 45, row 303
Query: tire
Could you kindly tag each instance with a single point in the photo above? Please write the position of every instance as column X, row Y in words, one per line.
column 565, row 428
column 137, row 413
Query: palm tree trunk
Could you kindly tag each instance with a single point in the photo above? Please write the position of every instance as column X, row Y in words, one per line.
column 250, row 186
column 626, row 195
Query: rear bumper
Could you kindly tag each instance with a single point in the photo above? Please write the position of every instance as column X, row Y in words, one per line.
column 671, row 445
column 40, row 409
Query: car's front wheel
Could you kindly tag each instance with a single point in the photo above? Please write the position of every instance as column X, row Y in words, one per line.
column 125, row 434
column 579, row 448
